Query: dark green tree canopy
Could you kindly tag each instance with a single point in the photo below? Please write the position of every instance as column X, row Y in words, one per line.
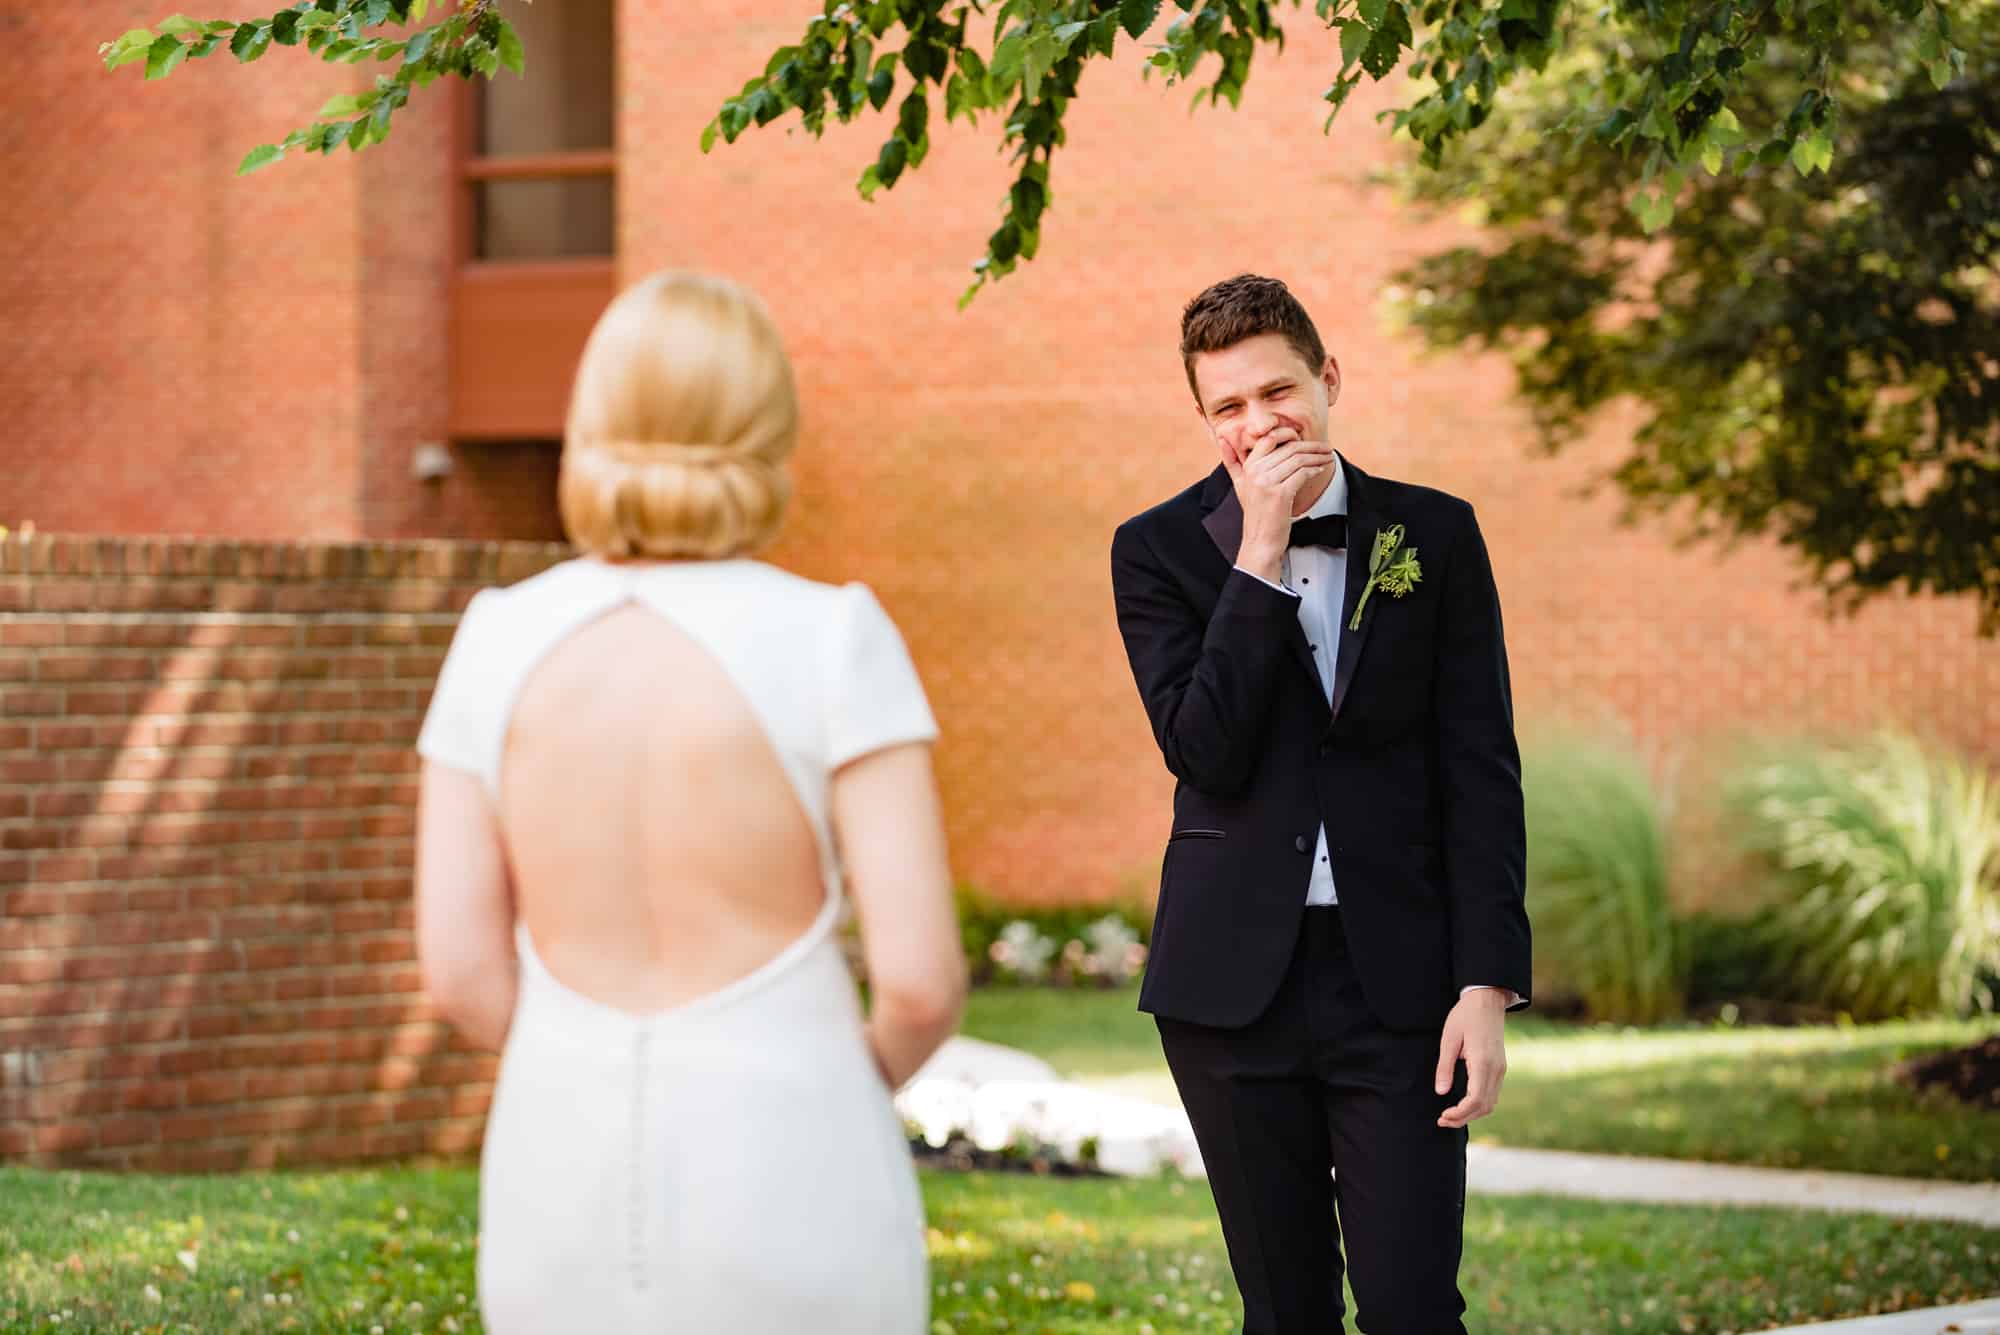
column 1817, row 357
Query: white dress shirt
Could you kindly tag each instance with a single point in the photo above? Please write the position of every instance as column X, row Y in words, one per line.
column 1317, row 577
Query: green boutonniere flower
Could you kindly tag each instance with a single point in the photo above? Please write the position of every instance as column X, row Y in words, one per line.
column 1392, row 567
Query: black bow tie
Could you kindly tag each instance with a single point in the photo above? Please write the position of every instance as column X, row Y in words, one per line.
column 1325, row 531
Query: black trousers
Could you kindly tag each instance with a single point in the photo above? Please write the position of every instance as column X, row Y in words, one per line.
column 1317, row 1125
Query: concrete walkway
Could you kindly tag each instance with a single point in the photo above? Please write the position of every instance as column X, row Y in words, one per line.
column 994, row 1094
column 1497, row 1170
column 1981, row 1318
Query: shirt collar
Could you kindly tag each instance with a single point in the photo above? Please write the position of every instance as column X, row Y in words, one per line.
column 1332, row 501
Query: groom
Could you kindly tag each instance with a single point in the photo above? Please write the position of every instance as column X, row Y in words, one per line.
column 1341, row 923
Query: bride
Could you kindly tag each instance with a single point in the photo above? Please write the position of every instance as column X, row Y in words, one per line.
column 649, row 772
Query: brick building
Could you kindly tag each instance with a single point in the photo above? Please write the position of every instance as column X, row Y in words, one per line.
column 213, row 732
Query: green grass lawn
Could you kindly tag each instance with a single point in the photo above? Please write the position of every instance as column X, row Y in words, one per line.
column 394, row 1249
column 1818, row 1097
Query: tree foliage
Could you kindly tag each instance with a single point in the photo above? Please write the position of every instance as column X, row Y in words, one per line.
column 473, row 38
column 1682, row 76
column 1816, row 352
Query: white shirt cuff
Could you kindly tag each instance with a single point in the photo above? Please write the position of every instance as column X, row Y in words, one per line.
column 1513, row 997
column 1261, row 580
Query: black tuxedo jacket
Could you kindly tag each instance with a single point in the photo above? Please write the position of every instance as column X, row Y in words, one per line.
column 1412, row 765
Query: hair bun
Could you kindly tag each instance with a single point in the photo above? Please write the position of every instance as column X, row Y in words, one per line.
column 681, row 418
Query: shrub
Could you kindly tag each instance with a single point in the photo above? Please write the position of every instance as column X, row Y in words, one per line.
column 1887, row 887
column 1597, row 881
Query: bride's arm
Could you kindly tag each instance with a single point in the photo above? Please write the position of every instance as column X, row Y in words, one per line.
column 465, row 906
column 890, row 828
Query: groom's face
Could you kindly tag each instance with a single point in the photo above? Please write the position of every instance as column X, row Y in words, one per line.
column 1262, row 389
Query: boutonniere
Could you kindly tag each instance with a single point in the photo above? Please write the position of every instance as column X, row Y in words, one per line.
column 1392, row 567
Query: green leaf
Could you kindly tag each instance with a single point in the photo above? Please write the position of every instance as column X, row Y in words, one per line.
column 129, row 47
column 1005, row 244
column 890, row 161
column 1372, row 11
column 1039, row 54
column 869, row 183
column 1616, row 125
column 345, row 104
column 1137, row 15
column 512, row 55
column 1028, row 198
column 1725, row 129
column 914, row 117
column 1007, row 58
column 709, row 134
column 251, row 41
column 1813, row 152
column 258, row 158
column 177, row 24
column 315, row 18
column 1654, row 209
column 1354, row 38
column 161, row 57
column 1066, row 33
column 285, row 27
column 1940, row 72
column 879, row 87
column 418, row 46
column 1385, row 48
column 1711, row 158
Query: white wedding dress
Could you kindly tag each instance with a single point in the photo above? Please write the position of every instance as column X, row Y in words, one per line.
column 733, row 1165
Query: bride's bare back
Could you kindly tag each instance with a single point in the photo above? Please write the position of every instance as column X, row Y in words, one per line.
column 659, row 851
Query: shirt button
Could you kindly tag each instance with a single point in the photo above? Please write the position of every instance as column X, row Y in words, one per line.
column 1299, row 843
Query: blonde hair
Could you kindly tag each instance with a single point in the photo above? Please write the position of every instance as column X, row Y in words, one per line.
column 680, row 421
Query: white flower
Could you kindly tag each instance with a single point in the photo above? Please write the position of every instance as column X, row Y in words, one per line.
column 187, row 1260
column 152, row 1294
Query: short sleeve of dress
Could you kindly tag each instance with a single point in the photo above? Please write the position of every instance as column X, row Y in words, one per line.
column 456, row 726
column 875, row 698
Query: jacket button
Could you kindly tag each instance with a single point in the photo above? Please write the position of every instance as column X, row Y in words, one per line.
column 1299, row 843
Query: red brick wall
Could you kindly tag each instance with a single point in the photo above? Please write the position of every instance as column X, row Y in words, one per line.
column 970, row 465
column 973, row 465
column 206, row 816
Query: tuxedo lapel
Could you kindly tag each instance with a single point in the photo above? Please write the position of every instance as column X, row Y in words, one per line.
column 1363, row 522
column 1224, row 522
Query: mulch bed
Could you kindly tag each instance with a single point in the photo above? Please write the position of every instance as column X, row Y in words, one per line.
column 1971, row 1074
column 960, row 1155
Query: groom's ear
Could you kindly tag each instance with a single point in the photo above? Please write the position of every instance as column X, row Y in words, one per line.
column 1329, row 374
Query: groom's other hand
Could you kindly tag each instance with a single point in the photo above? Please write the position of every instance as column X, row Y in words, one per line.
column 1268, row 476
column 1476, row 1031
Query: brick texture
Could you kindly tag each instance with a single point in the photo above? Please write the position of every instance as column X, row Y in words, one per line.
column 207, row 795
column 200, row 741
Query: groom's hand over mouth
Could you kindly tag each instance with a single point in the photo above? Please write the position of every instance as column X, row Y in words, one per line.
column 1267, row 479
column 1476, row 1031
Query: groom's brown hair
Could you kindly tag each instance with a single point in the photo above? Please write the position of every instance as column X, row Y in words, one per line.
column 1244, row 307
